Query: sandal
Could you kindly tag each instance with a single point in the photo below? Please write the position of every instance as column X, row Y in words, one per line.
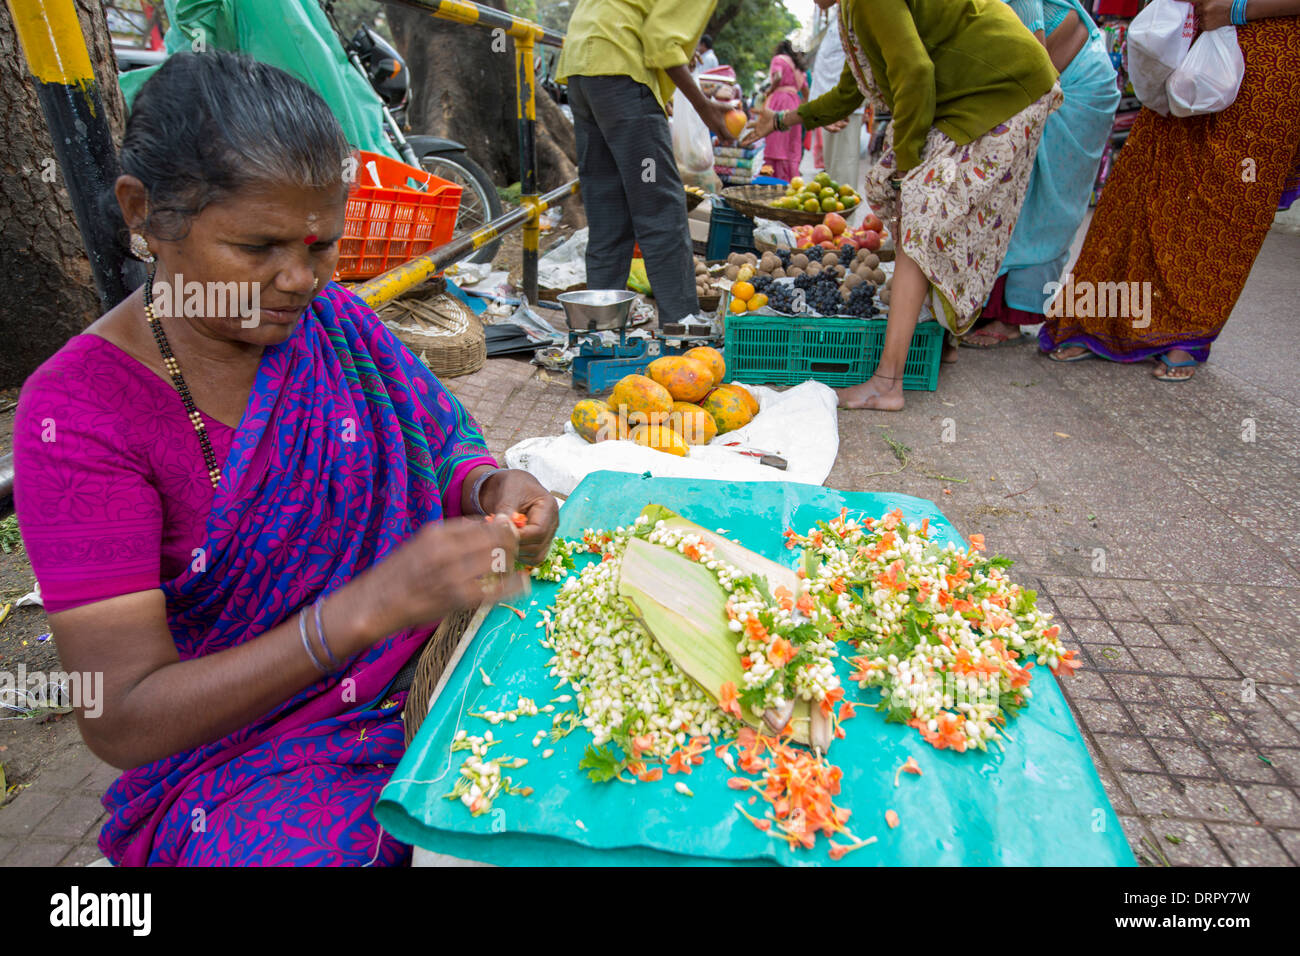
column 1163, row 374
column 1055, row 354
column 999, row 339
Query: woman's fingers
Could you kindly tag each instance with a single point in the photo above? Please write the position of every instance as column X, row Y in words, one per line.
column 535, row 537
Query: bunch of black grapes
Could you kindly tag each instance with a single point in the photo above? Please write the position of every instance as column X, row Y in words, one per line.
column 762, row 282
column 781, row 297
column 861, row 302
column 821, row 292
column 784, row 256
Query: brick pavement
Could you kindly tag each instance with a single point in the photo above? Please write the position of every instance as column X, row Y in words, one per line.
column 1166, row 543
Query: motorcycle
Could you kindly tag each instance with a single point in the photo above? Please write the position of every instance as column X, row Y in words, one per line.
column 386, row 71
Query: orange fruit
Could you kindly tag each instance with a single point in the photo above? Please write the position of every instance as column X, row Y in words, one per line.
column 712, row 358
column 738, row 305
column 745, row 394
column 742, row 290
column 736, row 121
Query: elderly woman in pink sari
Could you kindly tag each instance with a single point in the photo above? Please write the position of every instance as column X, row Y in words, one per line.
column 783, row 149
column 250, row 522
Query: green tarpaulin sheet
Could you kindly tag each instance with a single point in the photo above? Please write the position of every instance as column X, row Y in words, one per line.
column 294, row 35
column 1038, row 804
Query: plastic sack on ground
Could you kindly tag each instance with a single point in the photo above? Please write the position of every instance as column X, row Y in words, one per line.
column 692, row 143
column 798, row 424
column 1208, row 78
column 1158, row 40
column 566, row 264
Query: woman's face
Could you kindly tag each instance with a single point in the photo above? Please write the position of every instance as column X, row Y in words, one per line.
column 278, row 244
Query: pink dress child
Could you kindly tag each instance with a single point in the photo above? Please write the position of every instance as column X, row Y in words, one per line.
column 784, row 150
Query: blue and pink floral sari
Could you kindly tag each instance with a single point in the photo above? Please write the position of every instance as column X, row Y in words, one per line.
column 349, row 444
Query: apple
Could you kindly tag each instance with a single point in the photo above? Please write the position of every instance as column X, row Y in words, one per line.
column 835, row 223
column 822, row 233
column 873, row 223
column 870, row 240
column 828, row 244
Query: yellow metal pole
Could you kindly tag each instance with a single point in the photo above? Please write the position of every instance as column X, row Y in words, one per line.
column 526, row 112
column 384, row 288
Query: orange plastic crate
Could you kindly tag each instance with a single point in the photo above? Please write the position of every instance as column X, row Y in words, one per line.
column 392, row 222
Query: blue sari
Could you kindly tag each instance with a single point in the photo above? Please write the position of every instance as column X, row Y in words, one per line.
column 348, row 445
column 1065, row 166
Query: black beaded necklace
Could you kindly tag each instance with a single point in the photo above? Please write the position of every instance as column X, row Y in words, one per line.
column 178, row 380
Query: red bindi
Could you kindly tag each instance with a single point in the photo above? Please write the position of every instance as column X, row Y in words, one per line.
column 310, row 239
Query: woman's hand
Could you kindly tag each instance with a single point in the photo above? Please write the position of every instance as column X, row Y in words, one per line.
column 837, row 126
column 444, row 567
column 1213, row 13
column 764, row 124
column 508, row 492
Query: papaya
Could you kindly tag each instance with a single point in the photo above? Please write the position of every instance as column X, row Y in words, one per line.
column 639, row 400
column 728, row 408
column 746, row 394
column 595, row 421
column 710, row 357
column 686, row 379
column 660, row 438
column 694, row 424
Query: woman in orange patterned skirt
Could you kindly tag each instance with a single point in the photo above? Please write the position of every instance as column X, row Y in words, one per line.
column 1185, row 212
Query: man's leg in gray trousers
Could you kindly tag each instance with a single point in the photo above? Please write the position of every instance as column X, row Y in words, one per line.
column 609, row 223
column 625, row 161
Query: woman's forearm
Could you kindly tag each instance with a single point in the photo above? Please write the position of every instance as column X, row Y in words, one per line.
column 1267, row 9
column 178, row 705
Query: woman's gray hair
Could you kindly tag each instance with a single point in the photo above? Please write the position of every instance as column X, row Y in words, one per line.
column 208, row 125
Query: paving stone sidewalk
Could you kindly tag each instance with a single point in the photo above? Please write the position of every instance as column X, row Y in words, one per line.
column 1158, row 521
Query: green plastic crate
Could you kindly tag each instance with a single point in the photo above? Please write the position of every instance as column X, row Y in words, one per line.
column 787, row 350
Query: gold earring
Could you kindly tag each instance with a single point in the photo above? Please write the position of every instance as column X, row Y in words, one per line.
column 140, row 248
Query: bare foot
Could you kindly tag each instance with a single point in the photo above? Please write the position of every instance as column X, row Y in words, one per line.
column 879, row 392
column 949, row 354
column 1167, row 374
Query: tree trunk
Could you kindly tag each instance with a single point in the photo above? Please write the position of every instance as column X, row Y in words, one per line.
column 50, row 293
column 463, row 88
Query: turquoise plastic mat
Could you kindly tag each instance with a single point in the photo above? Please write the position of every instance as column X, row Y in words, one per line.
column 1039, row 804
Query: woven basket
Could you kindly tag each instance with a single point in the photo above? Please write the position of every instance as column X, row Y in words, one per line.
column 433, row 661
column 439, row 329
column 693, row 200
column 756, row 201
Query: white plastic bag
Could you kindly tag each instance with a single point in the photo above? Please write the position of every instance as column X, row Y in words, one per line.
column 1158, row 40
column 1208, row 78
column 692, row 144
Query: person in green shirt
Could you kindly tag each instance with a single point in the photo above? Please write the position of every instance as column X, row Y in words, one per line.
column 622, row 60
column 969, row 90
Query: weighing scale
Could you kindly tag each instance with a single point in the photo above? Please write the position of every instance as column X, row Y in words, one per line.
column 598, row 366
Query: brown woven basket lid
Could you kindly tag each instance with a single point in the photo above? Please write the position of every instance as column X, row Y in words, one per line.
column 439, row 329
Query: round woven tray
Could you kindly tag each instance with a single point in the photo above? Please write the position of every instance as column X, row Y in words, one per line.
column 693, row 200
column 439, row 329
column 756, row 201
